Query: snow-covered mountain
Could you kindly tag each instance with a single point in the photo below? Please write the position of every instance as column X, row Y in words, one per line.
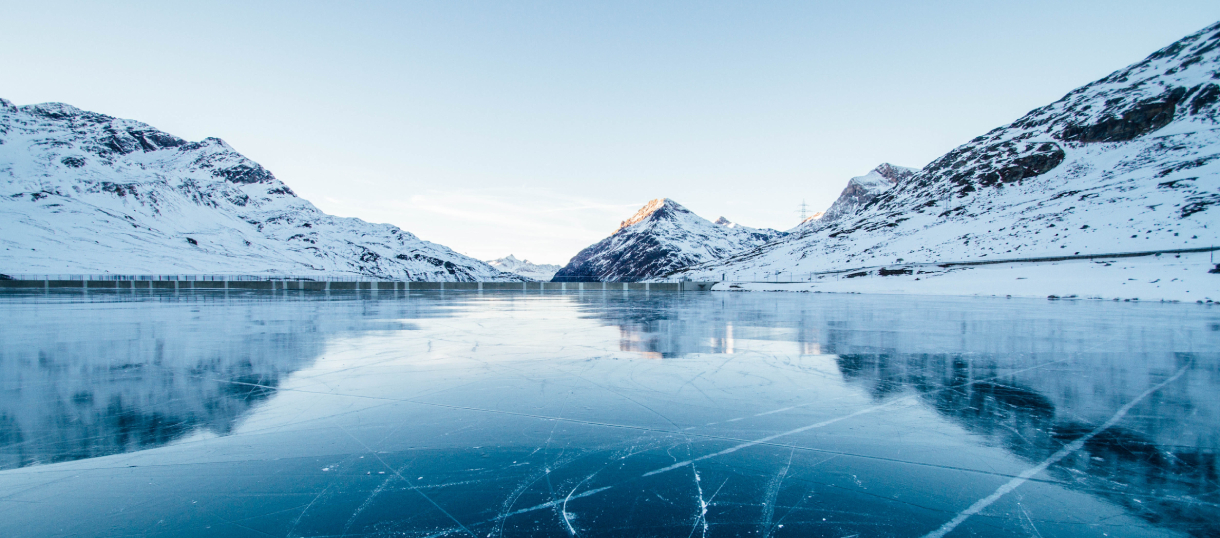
column 863, row 189
column 525, row 268
column 660, row 238
column 82, row 192
column 1130, row 163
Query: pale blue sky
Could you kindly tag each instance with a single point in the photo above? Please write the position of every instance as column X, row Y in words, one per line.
column 534, row 128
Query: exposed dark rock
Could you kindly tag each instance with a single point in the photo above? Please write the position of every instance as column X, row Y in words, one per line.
column 120, row 189
column 893, row 272
column 119, row 142
column 1205, row 98
column 1144, row 117
column 1187, row 165
column 152, row 139
column 73, row 162
column 1044, row 159
column 245, row 174
column 55, row 111
column 368, row 256
column 993, row 165
column 448, row 266
column 1198, row 204
column 124, row 141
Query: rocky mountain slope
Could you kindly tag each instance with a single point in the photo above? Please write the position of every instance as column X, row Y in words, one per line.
column 82, row 192
column 535, row 271
column 660, row 238
column 1130, row 163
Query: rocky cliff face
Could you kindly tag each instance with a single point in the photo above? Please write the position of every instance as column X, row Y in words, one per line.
column 1129, row 163
column 82, row 192
column 660, row 238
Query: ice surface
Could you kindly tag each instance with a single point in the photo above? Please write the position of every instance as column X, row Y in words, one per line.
column 604, row 414
column 1169, row 277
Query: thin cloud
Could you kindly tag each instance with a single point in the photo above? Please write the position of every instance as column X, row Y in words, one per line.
column 540, row 224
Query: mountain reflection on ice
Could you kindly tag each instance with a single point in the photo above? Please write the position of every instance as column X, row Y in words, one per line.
column 114, row 375
column 1161, row 463
column 1162, row 466
column 527, row 414
column 85, row 382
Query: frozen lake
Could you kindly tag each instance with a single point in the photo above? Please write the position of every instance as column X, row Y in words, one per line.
column 605, row 414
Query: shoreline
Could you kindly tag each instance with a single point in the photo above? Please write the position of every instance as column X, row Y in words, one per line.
column 1178, row 278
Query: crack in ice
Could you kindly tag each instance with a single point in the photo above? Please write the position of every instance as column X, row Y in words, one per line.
column 1064, row 452
column 828, row 422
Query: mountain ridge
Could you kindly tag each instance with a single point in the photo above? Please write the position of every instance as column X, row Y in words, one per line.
column 861, row 190
column 1128, row 163
column 663, row 236
column 534, row 271
column 83, row 192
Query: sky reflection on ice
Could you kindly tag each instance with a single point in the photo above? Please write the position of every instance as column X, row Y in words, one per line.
column 602, row 413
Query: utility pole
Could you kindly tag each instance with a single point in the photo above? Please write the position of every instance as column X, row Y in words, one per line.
column 804, row 211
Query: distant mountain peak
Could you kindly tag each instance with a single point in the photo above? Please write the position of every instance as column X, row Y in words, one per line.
column 894, row 173
column 525, row 268
column 658, row 206
column 56, row 110
column 660, row 238
column 863, row 189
